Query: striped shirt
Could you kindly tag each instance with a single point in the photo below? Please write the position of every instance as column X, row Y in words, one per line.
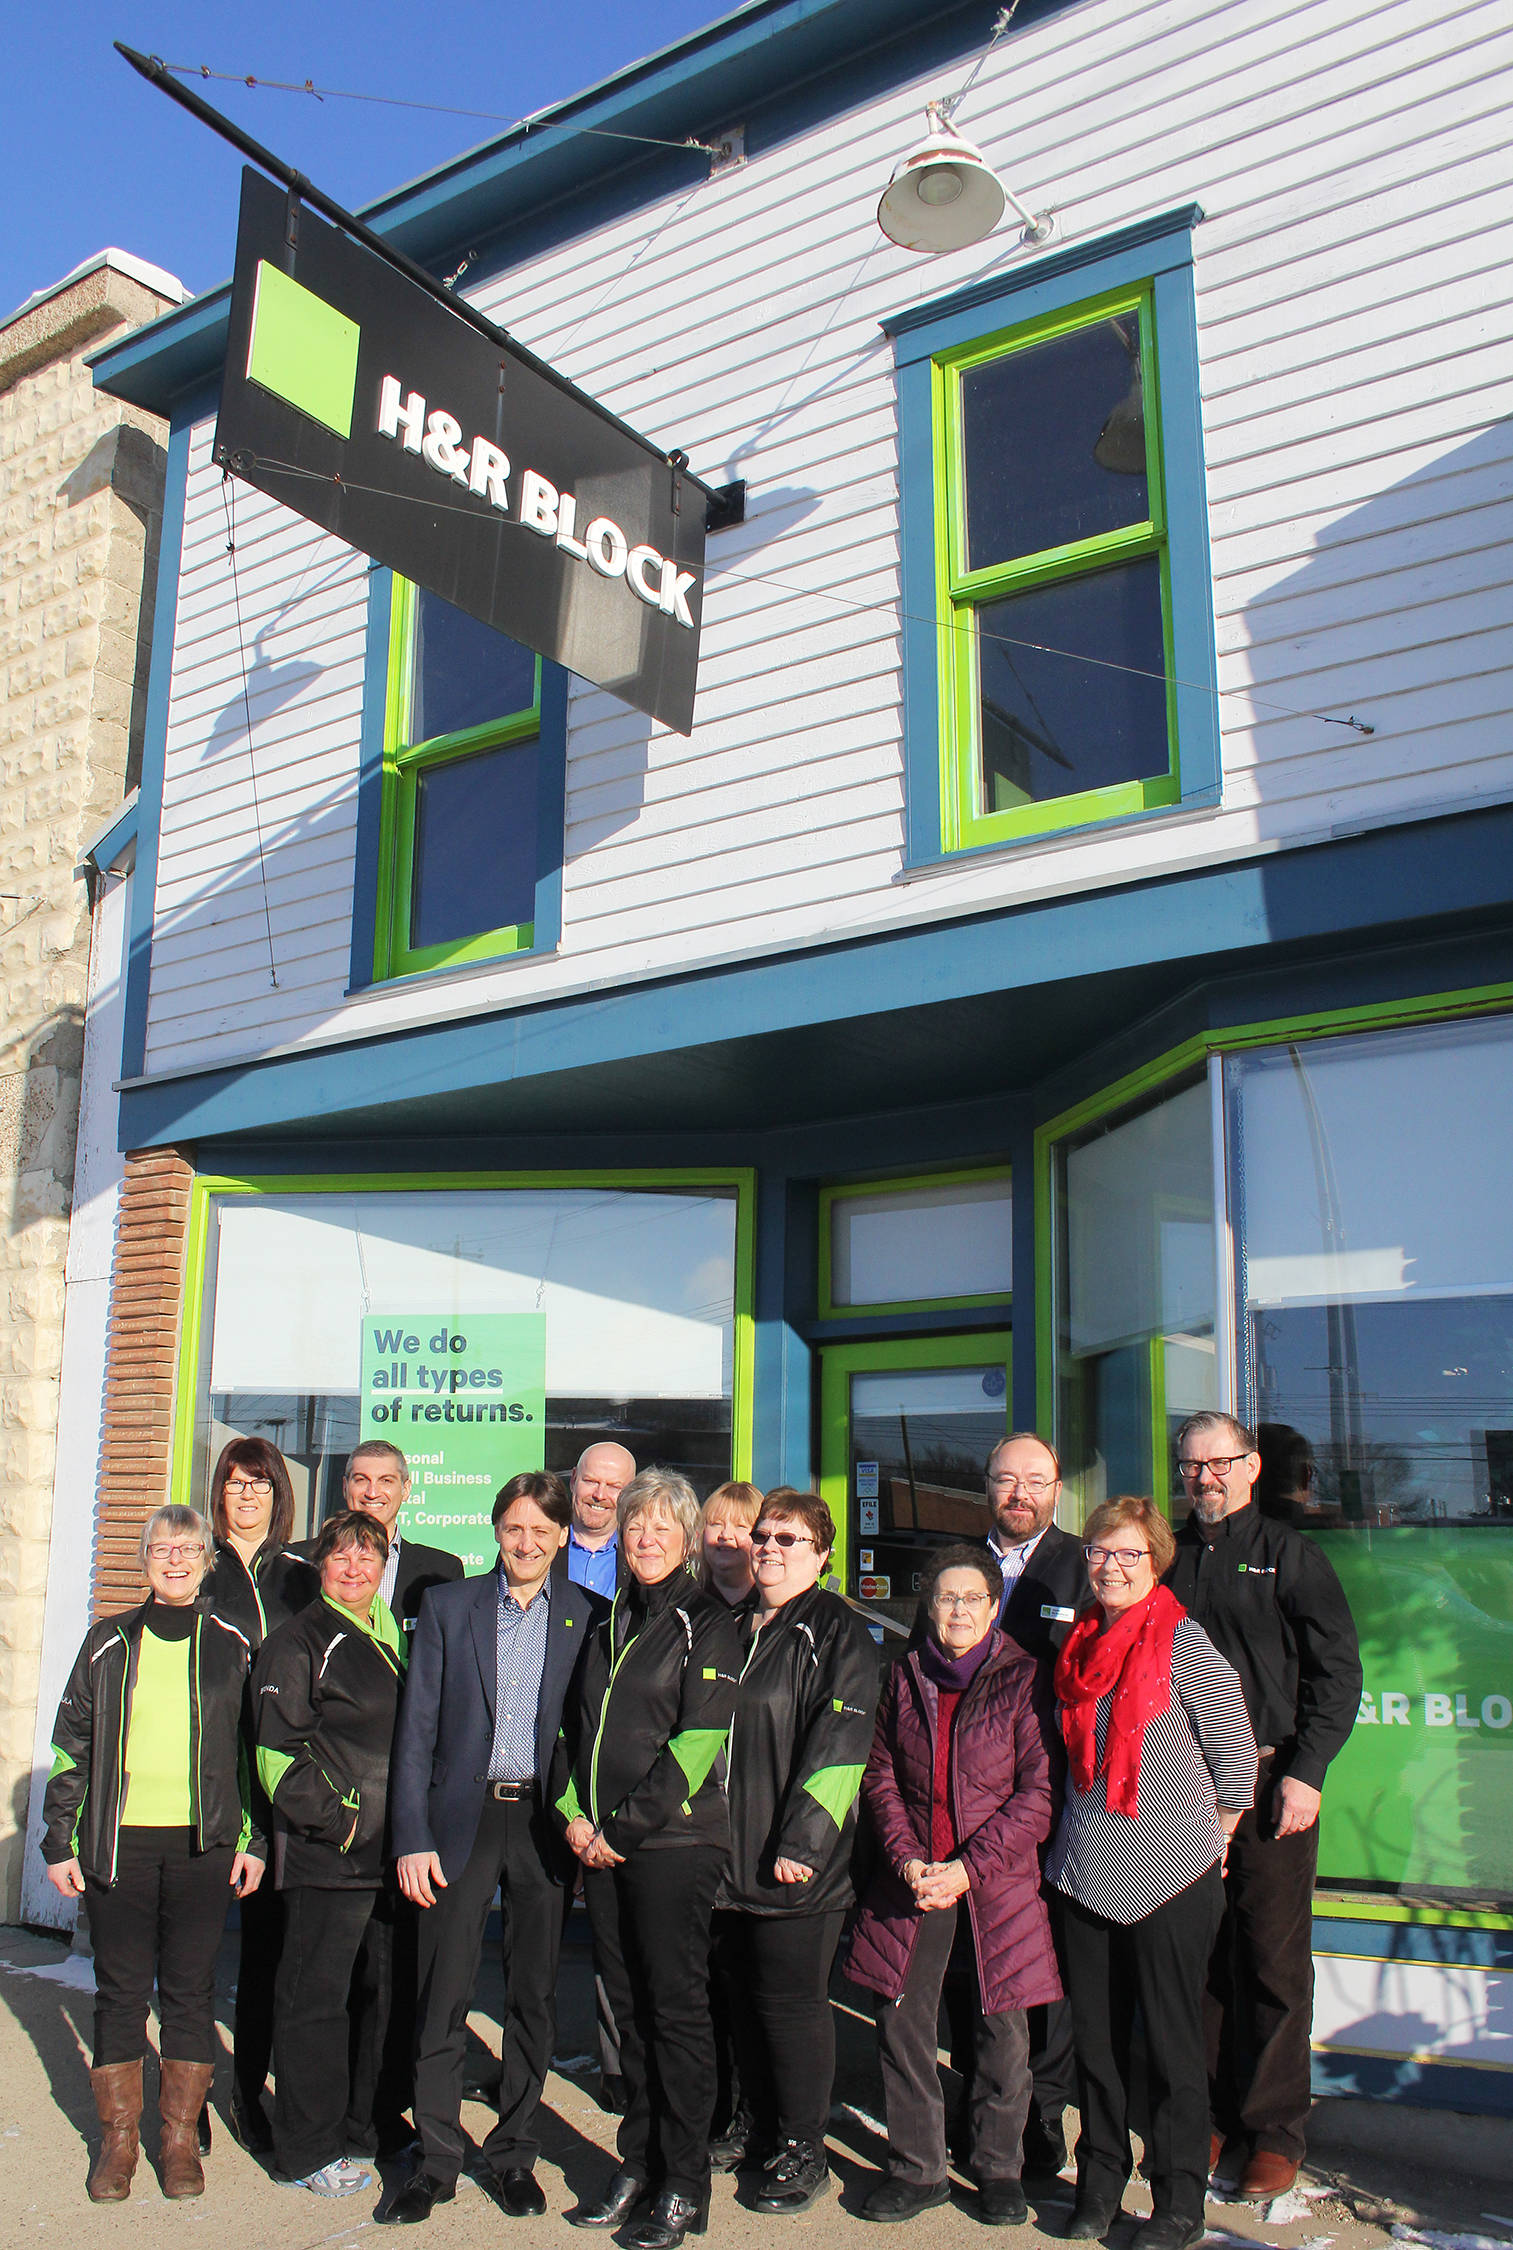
column 1198, row 1755
column 519, row 1661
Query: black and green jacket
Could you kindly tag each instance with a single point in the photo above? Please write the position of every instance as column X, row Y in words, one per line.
column 799, row 1746
column 326, row 1695
column 81, row 1811
column 642, row 1745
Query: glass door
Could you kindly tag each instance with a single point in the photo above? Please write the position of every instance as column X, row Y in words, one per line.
column 906, row 1429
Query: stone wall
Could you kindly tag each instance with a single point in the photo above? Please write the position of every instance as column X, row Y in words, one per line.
column 81, row 497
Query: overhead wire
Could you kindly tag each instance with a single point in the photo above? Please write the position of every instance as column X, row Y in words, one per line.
column 891, row 608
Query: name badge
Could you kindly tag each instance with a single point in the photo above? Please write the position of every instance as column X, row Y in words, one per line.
column 1055, row 1615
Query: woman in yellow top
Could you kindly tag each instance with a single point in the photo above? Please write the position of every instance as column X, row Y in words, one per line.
column 147, row 1816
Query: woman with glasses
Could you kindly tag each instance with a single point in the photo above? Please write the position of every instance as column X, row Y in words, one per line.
column 646, row 1815
column 256, row 1585
column 1162, row 1762
column 147, row 1816
column 798, row 1748
column 958, row 1786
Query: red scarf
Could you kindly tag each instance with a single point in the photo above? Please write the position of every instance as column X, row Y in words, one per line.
column 1130, row 1660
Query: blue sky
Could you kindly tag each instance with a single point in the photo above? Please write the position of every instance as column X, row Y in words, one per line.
column 94, row 156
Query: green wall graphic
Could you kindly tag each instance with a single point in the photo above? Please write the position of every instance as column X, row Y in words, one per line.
column 465, row 1401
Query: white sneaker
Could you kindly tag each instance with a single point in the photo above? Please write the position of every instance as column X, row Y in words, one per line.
column 340, row 2177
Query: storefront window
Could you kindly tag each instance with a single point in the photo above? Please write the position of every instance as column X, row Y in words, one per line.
column 1374, row 1237
column 921, row 1242
column 1135, row 1296
column 326, row 1316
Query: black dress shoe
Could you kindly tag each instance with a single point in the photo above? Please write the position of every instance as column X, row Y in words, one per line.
column 794, row 2179
column 889, row 2200
column 671, row 2217
column 412, row 2204
column 517, row 2194
column 619, row 2200
column 734, row 2146
column 481, row 2085
column 1001, row 2203
column 1092, row 2216
column 1163, row 2230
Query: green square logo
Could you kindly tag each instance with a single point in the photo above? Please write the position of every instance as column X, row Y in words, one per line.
column 303, row 350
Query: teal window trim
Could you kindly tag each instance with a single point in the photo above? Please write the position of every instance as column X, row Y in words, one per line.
column 838, row 1190
column 390, row 768
column 1151, row 263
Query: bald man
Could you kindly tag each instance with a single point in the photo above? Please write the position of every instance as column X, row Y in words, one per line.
column 593, row 1545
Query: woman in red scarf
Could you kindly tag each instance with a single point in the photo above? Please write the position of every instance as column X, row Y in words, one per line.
column 1161, row 1763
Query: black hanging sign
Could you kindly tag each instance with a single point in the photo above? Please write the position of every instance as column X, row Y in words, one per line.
column 371, row 409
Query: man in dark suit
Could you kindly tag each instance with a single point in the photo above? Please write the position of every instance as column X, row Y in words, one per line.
column 491, row 1664
column 1044, row 1579
column 377, row 1480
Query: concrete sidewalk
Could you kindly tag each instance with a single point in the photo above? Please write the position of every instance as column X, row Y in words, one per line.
column 1376, row 2170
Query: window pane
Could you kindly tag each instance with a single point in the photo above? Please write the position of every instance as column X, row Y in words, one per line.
column 1053, row 441
column 465, row 673
column 636, row 1289
column 907, row 1247
column 475, row 846
column 1136, row 1294
column 1053, row 724
column 1375, row 1257
column 925, row 1433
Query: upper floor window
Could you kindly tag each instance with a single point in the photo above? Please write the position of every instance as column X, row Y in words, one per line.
column 1058, row 615
column 466, row 804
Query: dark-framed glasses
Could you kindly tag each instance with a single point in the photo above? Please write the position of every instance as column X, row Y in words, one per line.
column 783, row 1539
column 960, row 1601
column 1036, row 1487
column 1128, row 1558
column 259, row 1487
column 180, row 1551
column 1220, row 1466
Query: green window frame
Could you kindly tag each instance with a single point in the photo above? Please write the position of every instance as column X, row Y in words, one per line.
column 841, row 1191
column 405, row 763
column 964, row 593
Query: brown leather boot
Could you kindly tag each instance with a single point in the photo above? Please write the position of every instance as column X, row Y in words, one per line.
column 118, row 2098
column 183, row 2093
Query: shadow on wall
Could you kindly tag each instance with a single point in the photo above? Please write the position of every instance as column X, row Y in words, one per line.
column 39, row 1120
column 1399, row 618
column 130, row 462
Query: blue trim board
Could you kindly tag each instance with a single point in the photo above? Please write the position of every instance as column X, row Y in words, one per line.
column 1470, row 2087
column 1448, row 1945
column 1065, row 950
column 370, row 776
column 778, row 67
column 1042, row 286
column 165, row 611
column 551, row 807
column 107, row 846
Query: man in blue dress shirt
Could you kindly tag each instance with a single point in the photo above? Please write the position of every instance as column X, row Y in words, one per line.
column 593, row 1544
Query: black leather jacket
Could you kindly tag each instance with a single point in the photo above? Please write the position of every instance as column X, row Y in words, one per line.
column 81, row 1811
column 326, row 1695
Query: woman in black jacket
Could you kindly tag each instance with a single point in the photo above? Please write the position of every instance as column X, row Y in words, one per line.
column 326, row 1691
column 645, row 1813
column 147, row 1815
column 257, row 1585
column 798, row 1749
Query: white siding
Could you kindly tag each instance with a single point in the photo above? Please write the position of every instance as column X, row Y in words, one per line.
column 1355, row 300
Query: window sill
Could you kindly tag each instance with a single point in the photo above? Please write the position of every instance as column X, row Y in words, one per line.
column 450, row 972
column 1199, row 806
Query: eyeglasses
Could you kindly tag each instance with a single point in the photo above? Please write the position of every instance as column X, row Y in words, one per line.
column 178, row 1552
column 783, row 1539
column 960, row 1601
column 1190, row 1470
column 1036, row 1487
column 1128, row 1558
column 234, row 1487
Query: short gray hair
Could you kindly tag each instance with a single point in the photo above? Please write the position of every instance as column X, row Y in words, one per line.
column 1210, row 1418
column 176, row 1519
column 663, row 1488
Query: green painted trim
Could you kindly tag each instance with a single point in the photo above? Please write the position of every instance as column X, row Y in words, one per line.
column 962, row 592
column 839, row 1189
column 403, row 764
column 839, row 1362
column 1335, row 1908
column 739, row 1178
column 835, row 1790
column 1191, row 1055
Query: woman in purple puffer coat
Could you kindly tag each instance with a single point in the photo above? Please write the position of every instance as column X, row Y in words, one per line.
column 958, row 1787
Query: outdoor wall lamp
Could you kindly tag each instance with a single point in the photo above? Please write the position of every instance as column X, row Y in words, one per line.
column 944, row 195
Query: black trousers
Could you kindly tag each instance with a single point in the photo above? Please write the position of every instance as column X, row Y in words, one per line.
column 511, row 1851
column 1259, row 2010
column 1158, row 1964
column 776, row 1972
column 381, row 2034
column 163, row 1917
column 334, row 2004
column 650, row 1920
column 908, row 2035
column 262, row 1918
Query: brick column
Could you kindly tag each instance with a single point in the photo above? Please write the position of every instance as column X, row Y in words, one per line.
column 146, row 1300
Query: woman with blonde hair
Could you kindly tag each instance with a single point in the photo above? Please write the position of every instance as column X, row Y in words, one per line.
column 1162, row 1762
column 725, row 1522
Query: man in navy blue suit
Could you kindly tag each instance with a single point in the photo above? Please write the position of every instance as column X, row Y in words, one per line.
column 491, row 1663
